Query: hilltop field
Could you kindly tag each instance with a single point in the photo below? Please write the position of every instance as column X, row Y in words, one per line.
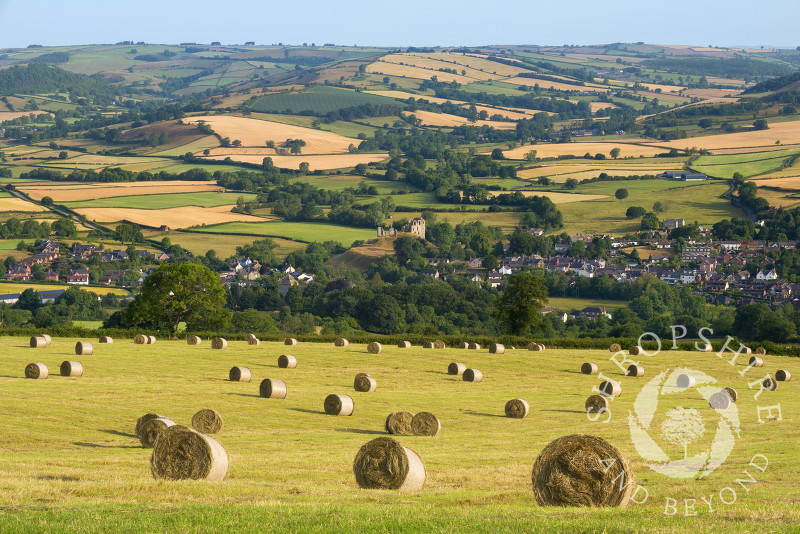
column 70, row 445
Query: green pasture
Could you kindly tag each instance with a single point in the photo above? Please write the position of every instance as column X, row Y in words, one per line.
column 319, row 100
column 225, row 244
column 206, row 199
column 71, row 462
column 636, row 186
column 750, row 164
column 568, row 304
column 302, row 231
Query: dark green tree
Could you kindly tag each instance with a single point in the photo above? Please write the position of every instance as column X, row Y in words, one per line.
column 621, row 194
column 518, row 308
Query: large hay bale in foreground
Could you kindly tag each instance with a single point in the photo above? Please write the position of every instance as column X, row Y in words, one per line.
column 756, row 361
column 425, row 424
column 374, row 348
column 207, row 421
column 582, row 470
column 83, row 348
column 456, row 369
column 384, row 463
column 399, row 422
column 761, row 350
column 290, row 341
column 365, row 383
column 341, row 342
column 71, row 368
column 609, row 388
column 686, row 381
column 472, row 375
column 287, row 361
column 474, row 346
column 219, row 343
column 615, row 347
column 150, row 429
column 732, row 393
column 36, row 371
column 151, row 340
column 747, row 350
column 271, row 388
column 181, row 453
column 589, row 368
column 720, row 400
column 193, row 340
column 783, row 375
column 517, row 408
column 770, row 384
column 38, row 342
column 106, row 340
column 496, row 348
column 596, row 404
column 338, row 405
column 427, row 345
column 463, row 345
column 439, row 344
column 404, row 345
column 239, row 374
column 635, row 370
column 141, row 422
column 141, row 339
column 635, row 350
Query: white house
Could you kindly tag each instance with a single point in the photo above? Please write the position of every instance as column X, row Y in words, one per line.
column 767, row 275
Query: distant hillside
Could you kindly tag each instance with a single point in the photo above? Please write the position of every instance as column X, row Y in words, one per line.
column 775, row 84
column 39, row 78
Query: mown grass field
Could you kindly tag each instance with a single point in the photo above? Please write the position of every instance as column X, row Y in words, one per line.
column 568, row 304
column 303, row 231
column 173, row 200
column 317, row 100
column 15, row 287
column 750, row 164
column 225, row 244
column 70, row 460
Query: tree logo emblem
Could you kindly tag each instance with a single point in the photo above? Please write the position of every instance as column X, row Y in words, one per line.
column 691, row 405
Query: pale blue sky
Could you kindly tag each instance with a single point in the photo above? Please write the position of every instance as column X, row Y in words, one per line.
column 401, row 23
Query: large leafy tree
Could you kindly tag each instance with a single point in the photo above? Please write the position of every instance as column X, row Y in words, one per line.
column 518, row 308
column 180, row 292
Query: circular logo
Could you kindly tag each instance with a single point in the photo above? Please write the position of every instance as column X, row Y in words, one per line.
column 669, row 413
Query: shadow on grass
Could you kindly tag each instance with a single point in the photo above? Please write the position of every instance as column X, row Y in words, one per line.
column 244, row 395
column 468, row 412
column 572, row 371
column 316, row 412
column 59, row 478
column 12, row 376
column 98, row 446
column 565, row 411
column 118, row 433
column 360, row 431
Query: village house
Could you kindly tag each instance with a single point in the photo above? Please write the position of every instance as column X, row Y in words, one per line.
column 673, row 223
column 78, row 277
column 767, row 275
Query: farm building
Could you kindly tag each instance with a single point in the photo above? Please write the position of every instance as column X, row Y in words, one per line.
column 685, row 176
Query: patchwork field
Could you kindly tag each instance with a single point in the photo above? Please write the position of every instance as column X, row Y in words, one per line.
column 315, row 162
column 430, row 118
column 9, row 203
column 225, row 244
column 180, row 217
column 74, row 192
column 291, row 465
column 579, row 148
column 786, row 132
column 557, row 198
column 161, row 201
column 752, row 164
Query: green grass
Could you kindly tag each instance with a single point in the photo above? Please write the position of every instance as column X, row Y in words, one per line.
column 319, row 100
column 19, row 287
column 225, row 244
column 750, row 164
column 568, row 304
column 172, row 200
column 71, row 463
column 302, row 231
column 634, row 186
column 210, row 167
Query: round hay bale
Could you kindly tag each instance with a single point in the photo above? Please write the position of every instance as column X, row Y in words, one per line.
column 474, row 346
column 686, row 381
column 517, row 409
column 770, row 384
column 535, row 346
column 589, row 368
column 425, row 424
column 193, row 340
column 761, row 350
column 615, row 347
column 219, row 343
column 582, row 470
column 399, row 422
column 472, row 375
column 596, row 404
column 404, row 345
column 36, row 371
column 540, row 345
column 439, row 344
column 720, row 400
column 783, row 375
column 496, row 348
column 71, row 368
column 150, row 429
column 151, row 340
column 456, row 369
column 364, row 383
column 38, row 342
column 338, row 405
column 635, row 350
column 706, row 348
column 384, row 463
column 249, row 337
column 756, row 361
column 271, row 388
column 340, row 342
column 83, row 347
column 732, row 393
column 635, row 370
column 290, row 341
column 747, row 350
column 181, row 453
column 141, row 339
column 141, row 422
column 609, row 388
column 239, row 374
column 254, row 341
column 207, row 421
column 463, row 345
column 287, row 361
column 374, row 348
column 47, row 338
column 428, row 345
column 106, row 340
